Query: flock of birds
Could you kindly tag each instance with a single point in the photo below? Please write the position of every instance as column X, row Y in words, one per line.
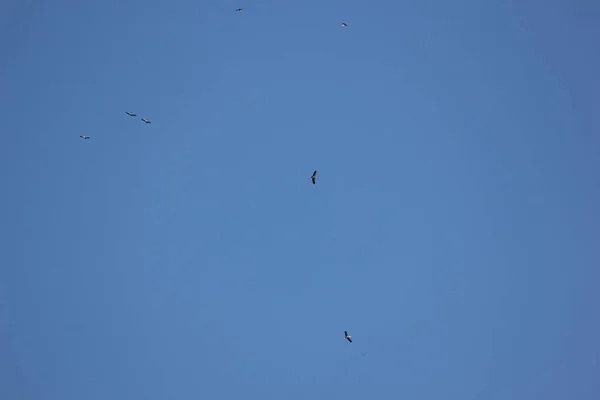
column 313, row 177
column 241, row 9
column 146, row 121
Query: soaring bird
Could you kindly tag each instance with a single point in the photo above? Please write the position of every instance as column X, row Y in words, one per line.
column 348, row 337
column 131, row 114
column 239, row 9
column 84, row 137
column 146, row 121
column 344, row 24
column 314, row 177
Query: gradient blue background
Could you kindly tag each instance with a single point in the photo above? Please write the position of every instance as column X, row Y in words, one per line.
column 454, row 231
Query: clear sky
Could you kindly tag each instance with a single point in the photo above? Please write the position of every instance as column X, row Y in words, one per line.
column 453, row 230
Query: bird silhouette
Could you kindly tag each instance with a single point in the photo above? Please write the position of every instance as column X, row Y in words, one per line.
column 348, row 337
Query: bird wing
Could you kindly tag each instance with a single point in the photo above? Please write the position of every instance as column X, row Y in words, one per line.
column 350, row 339
column 346, row 333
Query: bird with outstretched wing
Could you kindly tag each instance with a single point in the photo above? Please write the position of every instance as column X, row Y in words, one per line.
column 314, row 177
column 348, row 337
column 84, row 137
column 131, row 114
column 146, row 121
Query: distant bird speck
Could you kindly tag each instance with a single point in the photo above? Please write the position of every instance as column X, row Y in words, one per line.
column 84, row 137
column 344, row 24
column 314, row 177
column 239, row 9
column 146, row 121
column 348, row 337
column 131, row 114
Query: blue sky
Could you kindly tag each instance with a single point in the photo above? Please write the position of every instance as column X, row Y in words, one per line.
column 453, row 230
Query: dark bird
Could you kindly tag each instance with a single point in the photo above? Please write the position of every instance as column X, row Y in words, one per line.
column 344, row 24
column 131, row 114
column 348, row 337
column 84, row 137
column 146, row 121
column 239, row 9
column 314, row 177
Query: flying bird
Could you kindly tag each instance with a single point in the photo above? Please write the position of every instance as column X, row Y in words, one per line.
column 344, row 24
column 131, row 114
column 314, row 177
column 84, row 137
column 239, row 9
column 146, row 121
column 348, row 337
